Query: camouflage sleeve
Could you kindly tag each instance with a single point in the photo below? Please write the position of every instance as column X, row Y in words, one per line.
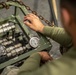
column 58, row 34
column 32, row 63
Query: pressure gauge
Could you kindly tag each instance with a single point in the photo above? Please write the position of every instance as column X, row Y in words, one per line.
column 34, row 42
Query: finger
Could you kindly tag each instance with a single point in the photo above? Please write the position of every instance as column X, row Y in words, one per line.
column 28, row 18
column 50, row 58
column 32, row 16
column 27, row 23
column 29, row 15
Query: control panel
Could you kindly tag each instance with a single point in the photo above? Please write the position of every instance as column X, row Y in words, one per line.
column 17, row 41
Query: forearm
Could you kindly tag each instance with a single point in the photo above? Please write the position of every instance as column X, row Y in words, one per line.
column 58, row 34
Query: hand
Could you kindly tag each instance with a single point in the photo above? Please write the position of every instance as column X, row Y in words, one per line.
column 33, row 22
column 45, row 56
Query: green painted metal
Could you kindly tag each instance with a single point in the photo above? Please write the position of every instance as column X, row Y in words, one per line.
column 43, row 44
column 23, row 26
column 21, row 57
column 8, row 19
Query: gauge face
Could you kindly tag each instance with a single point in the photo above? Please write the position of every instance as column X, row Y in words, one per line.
column 34, row 42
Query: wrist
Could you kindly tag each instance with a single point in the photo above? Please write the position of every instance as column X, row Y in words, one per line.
column 41, row 29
